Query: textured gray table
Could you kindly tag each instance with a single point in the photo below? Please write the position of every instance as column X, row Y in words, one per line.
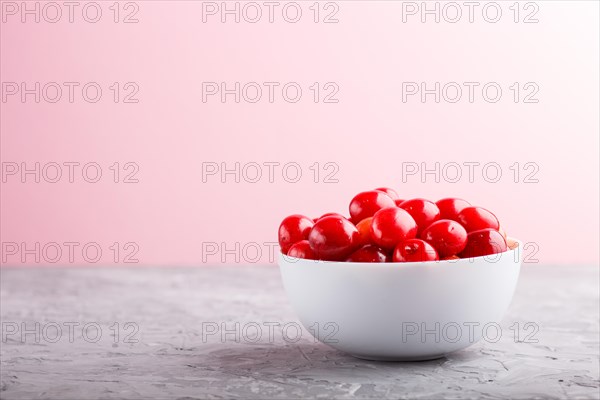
column 173, row 347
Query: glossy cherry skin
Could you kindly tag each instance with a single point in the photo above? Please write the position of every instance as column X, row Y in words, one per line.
column 503, row 233
column 366, row 204
column 414, row 250
column 390, row 192
column 330, row 215
column 302, row 250
column 484, row 242
column 369, row 253
column 391, row 226
column 364, row 231
column 333, row 238
column 292, row 230
column 450, row 207
column 424, row 212
column 477, row 218
column 446, row 236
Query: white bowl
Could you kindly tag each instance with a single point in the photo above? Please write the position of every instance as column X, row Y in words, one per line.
column 402, row 311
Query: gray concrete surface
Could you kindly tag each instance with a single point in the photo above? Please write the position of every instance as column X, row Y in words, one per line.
column 158, row 333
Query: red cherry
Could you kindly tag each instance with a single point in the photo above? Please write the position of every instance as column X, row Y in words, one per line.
column 484, row 242
column 451, row 207
column 391, row 226
column 399, row 201
column 302, row 250
column 369, row 253
column 364, row 231
column 424, row 212
column 292, row 230
column 503, row 233
column 366, row 204
column 390, row 192
column 446, row 236
column 333, row 238
column 476, row 218
column 414, row 250
column 331, row 214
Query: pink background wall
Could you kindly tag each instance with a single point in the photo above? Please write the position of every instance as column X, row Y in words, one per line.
column 171, row 215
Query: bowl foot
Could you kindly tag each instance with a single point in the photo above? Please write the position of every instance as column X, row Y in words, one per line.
column 396, row 359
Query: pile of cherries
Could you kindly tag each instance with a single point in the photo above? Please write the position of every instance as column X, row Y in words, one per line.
column 384, row 228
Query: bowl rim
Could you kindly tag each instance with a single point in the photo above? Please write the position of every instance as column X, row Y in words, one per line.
column 288, row 260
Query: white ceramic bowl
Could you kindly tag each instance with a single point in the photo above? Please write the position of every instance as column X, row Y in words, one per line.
column 402, row 311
